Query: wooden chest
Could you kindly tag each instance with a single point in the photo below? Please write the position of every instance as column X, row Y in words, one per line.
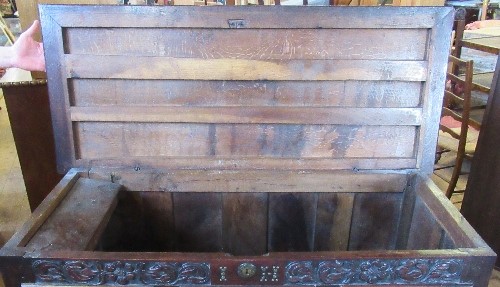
column 246, row 146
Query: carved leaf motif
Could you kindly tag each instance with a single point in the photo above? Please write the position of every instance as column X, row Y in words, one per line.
column 159, row 273
column 193, row 273
column 79, row 271
column 48, row 271
column 335, row 272
column 443, row 270
column 300, row 272
column 413, row 270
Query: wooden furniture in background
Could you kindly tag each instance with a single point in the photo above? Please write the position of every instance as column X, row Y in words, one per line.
column 489, row 44
column 456, row 109
column 29, row 115
column 482, row 197
column 248, row 149
column 484, row 9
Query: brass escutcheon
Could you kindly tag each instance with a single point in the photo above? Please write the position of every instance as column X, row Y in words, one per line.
column 246, row 270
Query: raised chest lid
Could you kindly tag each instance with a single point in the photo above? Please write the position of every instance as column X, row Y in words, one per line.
column 268, row 87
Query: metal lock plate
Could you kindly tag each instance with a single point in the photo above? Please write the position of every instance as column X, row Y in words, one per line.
column 246, row 270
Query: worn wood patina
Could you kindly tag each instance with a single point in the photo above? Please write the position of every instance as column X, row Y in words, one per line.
column 243, row 148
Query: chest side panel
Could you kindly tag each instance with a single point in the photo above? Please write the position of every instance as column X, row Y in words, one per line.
column 232, row 88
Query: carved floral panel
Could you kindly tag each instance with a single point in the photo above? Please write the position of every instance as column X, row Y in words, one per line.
column 376, row 271
column 121, row 273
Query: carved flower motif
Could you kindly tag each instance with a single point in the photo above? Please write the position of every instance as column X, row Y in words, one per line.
column 119, row 272
column 334, row 272
column 413, row 270
column 374, row 271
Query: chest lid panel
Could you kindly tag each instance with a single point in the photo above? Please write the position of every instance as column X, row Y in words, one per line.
column 300, row 88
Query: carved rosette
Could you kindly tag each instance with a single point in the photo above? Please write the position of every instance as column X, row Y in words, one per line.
column 121, row 273
column 375, row 271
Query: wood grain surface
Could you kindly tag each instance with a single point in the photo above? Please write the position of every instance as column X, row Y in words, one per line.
column 79, row 220
column 273, row 90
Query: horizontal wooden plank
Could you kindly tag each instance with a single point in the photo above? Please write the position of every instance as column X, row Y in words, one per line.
column 165, row 68
column 96, row 140
column 253, row 17
column 256, row 163
column 256, row 44
column 79, row 220
column 88, row 92
column 250, row 115
column 253, row 181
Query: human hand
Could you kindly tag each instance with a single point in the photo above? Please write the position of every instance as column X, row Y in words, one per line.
column 475, row 25
column 28, row 53
column 482, row 24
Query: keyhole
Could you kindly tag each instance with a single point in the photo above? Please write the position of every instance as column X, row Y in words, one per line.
column 246, row 270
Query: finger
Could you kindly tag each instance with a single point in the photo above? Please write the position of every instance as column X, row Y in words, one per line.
column 35, row 27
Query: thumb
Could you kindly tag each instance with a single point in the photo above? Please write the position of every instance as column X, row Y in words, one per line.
column 35, row 27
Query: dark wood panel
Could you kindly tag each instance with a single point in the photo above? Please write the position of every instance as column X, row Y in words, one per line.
column 34, row 138
column 292, row 220
column 159, row 219
column 333, row 221
column 447, row 242
column 107, row 140
column 198, row 222
column 164, row 68
column 482, row 198
column 425, row 232
column 261, row 44
column 127, row 229
column 58, row 91
column 245, row 223
column 80, row 219
column 408, row 205
column 244, row 93
column 375, row 220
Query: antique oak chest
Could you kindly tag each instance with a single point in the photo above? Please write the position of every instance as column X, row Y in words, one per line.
column 246, row 146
